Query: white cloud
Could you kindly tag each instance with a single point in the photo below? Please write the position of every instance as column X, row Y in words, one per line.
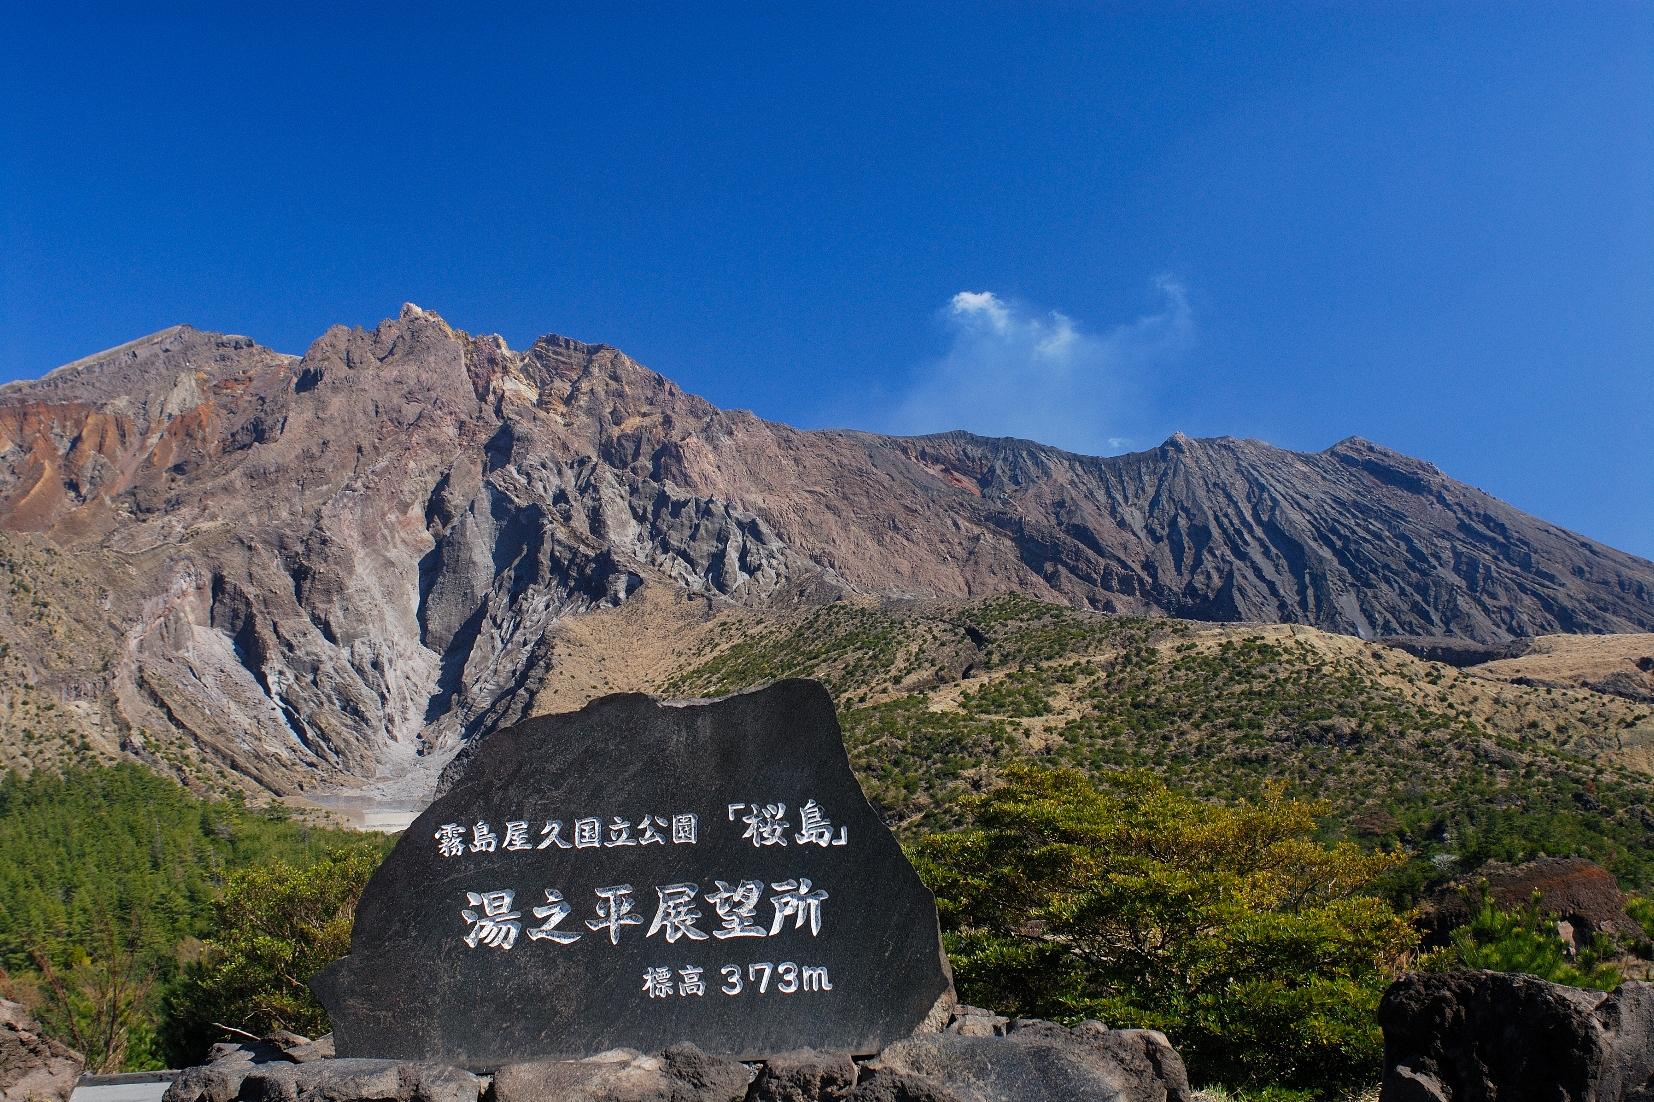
column 1011, row 370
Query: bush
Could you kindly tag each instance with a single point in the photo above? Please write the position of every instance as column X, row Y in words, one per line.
column 1526, row 940
column 1261, row 951
column 275, row 927
column 1641, row 910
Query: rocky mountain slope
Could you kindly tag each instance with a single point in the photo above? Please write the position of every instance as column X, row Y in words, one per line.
column 307, row 571
column 938, row 696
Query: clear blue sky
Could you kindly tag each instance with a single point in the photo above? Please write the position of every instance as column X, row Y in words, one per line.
column 1428, row 224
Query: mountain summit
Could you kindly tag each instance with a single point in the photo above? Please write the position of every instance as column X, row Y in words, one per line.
column 325, row 566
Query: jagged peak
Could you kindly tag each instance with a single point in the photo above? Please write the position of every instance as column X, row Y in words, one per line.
column 147, row 341
column 412, row 314
column 135, row 368
column 568, row 344
column 571, row 359
column 1360, row 448
column 1358, row 444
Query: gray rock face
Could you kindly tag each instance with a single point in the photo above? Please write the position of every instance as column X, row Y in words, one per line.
column 227, row 1066
column 785, row 912
column 1042, row 1064
column 359, row 1081
column 1486, row 1036
column 34, row 1068
column 680, row 1074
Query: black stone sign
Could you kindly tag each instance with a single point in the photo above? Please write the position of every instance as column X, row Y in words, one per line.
column 638, row 874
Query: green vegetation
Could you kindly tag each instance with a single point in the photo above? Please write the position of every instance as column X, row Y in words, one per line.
column 1260, row 950
column 274, row 927
column 937, row 700
column 846, row 646
column 109, row 875
column 1641, row 910
column 1525, row 940
column 861, row 652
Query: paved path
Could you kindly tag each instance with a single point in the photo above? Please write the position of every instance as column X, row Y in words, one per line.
column 120, row 1092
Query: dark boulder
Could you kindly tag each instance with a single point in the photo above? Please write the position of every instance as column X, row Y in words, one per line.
column 1486, row 1036
column 683, row 1073
column 33, row 1067
column 228, row 1064
column 805, row 1076
column 866, row 969
column 1034, row 1062
column 359, row 1081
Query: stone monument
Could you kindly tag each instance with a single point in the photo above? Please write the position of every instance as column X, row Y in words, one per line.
column 636, row 875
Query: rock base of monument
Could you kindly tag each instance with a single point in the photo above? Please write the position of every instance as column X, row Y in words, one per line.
column 975, row 1057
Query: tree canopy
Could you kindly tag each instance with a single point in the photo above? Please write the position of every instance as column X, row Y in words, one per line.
column 1261, row 950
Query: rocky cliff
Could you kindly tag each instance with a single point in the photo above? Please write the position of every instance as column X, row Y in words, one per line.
column 306, row 570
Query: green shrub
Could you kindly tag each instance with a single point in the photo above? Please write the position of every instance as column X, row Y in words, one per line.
column 1260, row 950
column 274, row 927
column 1526, row 940
column 1641, row 910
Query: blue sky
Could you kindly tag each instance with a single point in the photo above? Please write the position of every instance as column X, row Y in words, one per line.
column 1428, row 224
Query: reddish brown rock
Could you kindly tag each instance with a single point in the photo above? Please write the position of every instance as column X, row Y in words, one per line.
column 1573, row 890
column 33, row 1067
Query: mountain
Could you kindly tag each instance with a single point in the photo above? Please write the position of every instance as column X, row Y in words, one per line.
column 1452, row 766
column 306, row 571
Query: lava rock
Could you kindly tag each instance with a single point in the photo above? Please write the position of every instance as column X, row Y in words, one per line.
column 1038, row 1063
column 216, row 1082
column 973, row 1021
column 34, row 1068
column 228, row 1065
column 700, row 1076
column 1478, row 1036
column 1030, row 1061
column 807, row 1075
column 682, row 1073
column 319, row 1049
column 359, row 1081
